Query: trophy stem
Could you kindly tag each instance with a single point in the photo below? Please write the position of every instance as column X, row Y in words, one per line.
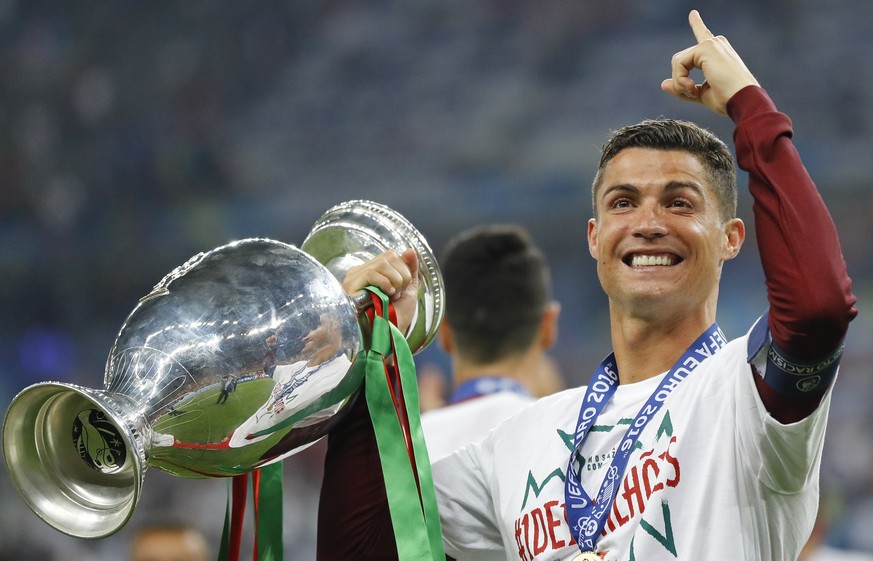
column 74, row 458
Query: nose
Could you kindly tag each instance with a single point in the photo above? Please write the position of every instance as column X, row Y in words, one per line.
column 650, row 222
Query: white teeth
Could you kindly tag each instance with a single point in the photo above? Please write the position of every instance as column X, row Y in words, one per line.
column 651, row 260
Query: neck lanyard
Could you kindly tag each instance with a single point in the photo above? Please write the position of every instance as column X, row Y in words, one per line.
column 587, row 517
column 485, row 385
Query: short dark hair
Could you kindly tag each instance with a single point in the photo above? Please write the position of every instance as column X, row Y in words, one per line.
column 674, row 134
column 498, row 286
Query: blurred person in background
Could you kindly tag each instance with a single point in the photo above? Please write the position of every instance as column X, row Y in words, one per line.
column 817, row 548
column 500, row 321
column 169, row 542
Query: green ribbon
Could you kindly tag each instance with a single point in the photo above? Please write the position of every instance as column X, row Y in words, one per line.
column 267, row 501
column 394, row 409
column 268, row 514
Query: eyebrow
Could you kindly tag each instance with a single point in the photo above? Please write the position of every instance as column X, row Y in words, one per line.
column 671, row 186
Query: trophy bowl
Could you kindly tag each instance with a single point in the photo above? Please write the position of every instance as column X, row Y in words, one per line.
column 351, row 233
column 238, row 358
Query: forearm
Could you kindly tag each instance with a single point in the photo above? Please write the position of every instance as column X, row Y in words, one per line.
column 808, row 288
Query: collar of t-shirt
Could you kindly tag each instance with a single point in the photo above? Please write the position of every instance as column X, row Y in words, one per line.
column 485, row 385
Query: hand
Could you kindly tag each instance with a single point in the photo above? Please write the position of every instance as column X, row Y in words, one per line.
column 396, row 275
column 724, row 71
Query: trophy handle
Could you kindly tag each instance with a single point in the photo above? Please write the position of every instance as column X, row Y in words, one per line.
column 82, row 477
column 354, row 232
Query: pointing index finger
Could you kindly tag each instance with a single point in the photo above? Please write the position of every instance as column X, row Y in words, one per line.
column 701, row 32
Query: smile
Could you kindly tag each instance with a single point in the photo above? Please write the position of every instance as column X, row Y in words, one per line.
column 662, row 260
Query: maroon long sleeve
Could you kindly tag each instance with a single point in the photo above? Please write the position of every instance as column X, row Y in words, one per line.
column 808, row 287
column 354, row 521
column 353, row 517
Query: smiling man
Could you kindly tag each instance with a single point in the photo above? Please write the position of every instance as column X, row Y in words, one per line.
column 683, row 445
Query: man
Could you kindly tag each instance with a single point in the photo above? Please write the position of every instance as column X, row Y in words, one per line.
column 682, row 446
column 169, row 542
column 500, row 321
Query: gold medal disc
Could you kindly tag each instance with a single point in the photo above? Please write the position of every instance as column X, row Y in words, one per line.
column 587, row 556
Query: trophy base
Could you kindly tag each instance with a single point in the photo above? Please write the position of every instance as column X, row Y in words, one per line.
column 71, row 460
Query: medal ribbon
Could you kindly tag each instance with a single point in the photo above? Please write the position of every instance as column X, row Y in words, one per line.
column 392, row 399
column 587, row 517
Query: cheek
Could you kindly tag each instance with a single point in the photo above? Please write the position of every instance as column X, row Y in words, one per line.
column 712, row 238
column 714, row 255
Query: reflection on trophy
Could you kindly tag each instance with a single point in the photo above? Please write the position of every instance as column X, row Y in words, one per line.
column 236, row 359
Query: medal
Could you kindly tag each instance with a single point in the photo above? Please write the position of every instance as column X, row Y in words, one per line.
column 587, row 516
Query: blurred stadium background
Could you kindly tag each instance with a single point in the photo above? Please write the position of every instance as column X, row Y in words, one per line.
column 134, row 135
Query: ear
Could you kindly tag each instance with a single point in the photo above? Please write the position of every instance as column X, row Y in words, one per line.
column 592, row 237
column 549, row 325
column 735, row 234
column 445, row 338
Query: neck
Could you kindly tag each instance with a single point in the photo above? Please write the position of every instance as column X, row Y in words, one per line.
column 518, row 367
column 645, row 348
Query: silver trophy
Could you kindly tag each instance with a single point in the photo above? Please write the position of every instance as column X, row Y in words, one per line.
column 236, row 359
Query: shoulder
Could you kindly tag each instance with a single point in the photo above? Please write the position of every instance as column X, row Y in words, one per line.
column 453, row 426
column 557, row 409
column 556, row 400
column 733, row 356
column 508, row 402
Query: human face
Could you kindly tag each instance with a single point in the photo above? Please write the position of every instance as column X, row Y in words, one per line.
column 658, row 239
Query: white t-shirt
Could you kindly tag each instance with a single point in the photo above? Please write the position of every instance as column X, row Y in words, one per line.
column 712, row 477
column 451, row 427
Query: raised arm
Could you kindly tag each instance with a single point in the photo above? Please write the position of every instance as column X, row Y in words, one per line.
column 808, row 288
